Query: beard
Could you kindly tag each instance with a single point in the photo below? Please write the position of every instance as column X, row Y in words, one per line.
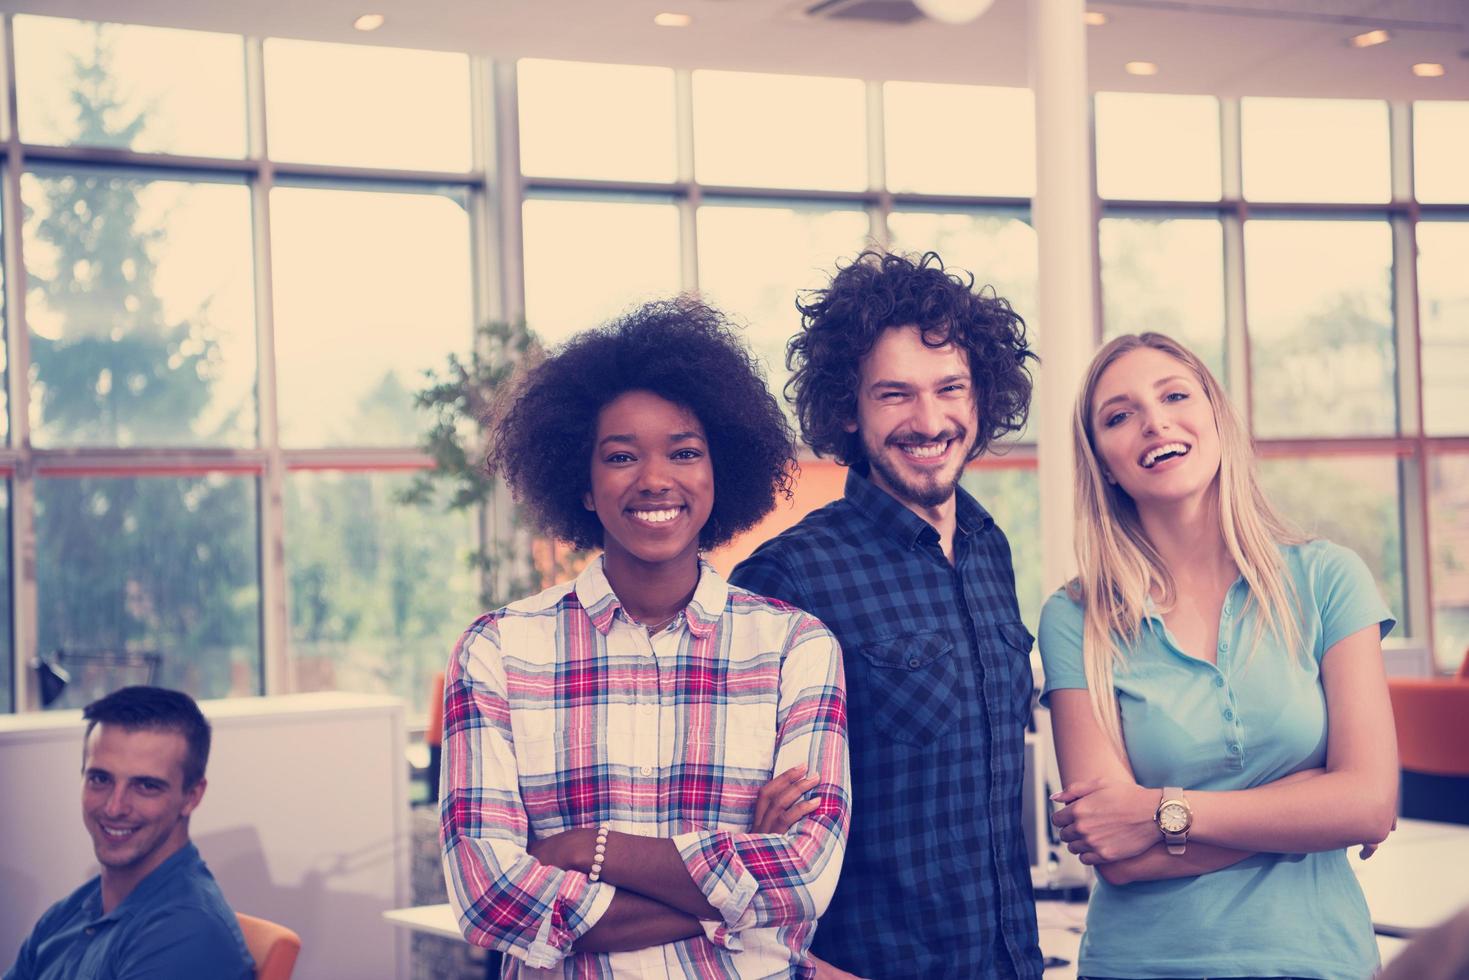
column 919, row 489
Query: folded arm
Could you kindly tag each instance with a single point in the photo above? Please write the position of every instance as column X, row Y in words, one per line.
column 765, row 879
column 1108, row 818
column 505, row 898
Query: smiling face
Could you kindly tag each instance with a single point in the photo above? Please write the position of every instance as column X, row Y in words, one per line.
column 916, row 417
column 1153, row 428
column 652, row 481
column 134, row 803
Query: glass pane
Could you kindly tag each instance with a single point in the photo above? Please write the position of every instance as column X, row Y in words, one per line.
column 928, row 153
column 1441, row 151
column 370, row 289
column 1443, row 325
column 379, row 590
column 997, row 248
column 150, row 580
column 140, row 302
column 141, row 88
column 1012, row 496
column 387, row 107
column 1315, row 150
column 588, row 260
column 1351, row 500
column 613, row 122
column 1166, row 274
column 1157, row 147
column 1321, row 329
column 1448, row 529
column 799, row 250
column 746, row 129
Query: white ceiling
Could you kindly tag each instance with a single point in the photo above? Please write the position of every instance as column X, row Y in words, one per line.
column 1223, row 47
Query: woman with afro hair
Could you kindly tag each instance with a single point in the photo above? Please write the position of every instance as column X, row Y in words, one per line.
column 611, row 744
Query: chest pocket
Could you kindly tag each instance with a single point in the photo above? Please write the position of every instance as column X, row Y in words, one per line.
column 1012, row 646
column 912, row 686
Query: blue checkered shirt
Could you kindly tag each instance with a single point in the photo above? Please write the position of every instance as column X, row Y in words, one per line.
column 936, row 881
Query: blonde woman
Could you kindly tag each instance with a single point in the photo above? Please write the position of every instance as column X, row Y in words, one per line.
column 1217, row 694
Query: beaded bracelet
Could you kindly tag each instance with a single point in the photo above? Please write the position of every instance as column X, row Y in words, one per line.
column 600, row 853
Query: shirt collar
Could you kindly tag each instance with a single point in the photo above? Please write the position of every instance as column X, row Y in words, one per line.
column 900, row 523
column 702, row 613
column 159, row 879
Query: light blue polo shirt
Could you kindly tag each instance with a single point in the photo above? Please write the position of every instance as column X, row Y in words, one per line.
column 1192, row 724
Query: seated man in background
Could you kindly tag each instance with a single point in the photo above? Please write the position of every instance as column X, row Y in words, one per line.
column 155, row 910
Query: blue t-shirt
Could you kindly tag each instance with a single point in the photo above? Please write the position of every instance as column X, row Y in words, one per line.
column 1247, row 721
column 175, row 925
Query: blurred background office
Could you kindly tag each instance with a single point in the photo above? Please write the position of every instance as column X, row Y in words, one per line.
column 235, row 236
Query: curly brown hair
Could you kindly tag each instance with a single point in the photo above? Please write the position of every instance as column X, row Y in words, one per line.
column 680, row 350
column 879, row 290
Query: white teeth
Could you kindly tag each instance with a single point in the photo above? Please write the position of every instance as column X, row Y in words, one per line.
column 927, row 450
column 656, row 516
column 1152, row 455
column 116, row 833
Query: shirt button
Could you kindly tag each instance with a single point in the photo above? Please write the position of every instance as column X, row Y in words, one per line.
column 914, row 662
column 91, row 930
column 1224, row 645
column 1229, row 714
column 1218, row 682
column 1235, row 749
column 646, row 770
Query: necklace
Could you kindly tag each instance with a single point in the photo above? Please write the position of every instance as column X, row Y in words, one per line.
column 661, row 625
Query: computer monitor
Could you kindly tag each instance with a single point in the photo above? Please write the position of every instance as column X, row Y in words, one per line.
column 1052, row 866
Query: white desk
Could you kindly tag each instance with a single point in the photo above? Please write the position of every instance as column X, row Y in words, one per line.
column 1060, row 929
column 433, row 920
column 1416, row 880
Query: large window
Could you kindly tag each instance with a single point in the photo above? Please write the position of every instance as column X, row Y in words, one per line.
column 1321, row 328
column 162, row 568
column 371, row 288
column 140, row 306
column 226, row 323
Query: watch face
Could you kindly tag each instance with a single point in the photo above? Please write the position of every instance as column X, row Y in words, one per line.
column 1173, row 818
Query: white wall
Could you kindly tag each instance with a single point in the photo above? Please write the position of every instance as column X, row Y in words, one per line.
column 305, row 821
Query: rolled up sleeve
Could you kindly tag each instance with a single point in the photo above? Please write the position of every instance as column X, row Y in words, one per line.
column 761, row 880
column 504, row 898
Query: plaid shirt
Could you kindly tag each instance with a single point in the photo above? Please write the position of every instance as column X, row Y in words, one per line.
column 937, row 881
column 561, row 712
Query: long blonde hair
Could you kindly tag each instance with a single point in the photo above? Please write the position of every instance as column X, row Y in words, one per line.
column 1120, row 567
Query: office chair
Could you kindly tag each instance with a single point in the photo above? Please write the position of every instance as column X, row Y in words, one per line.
column 1432, row 720
column 273, row 947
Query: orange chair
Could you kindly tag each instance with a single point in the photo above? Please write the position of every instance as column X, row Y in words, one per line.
column 1432, row 720
column 273, row 947
column 433, row 734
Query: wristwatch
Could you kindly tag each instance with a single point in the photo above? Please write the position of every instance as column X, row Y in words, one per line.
column 1174, row 818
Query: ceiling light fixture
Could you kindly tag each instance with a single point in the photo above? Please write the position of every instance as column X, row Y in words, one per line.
column 1140, row 68
column 1370, row 39
column 953, row 11
column 672, row 20
column 1094, row 18
column 369, row 22
column 1428, row 69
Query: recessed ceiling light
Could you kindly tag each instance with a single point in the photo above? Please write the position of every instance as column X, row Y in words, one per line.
column 1370, row 39
column 1094, row 18
column 673, row 20
column 1428, row 69
column 369, row 22
column 1140, row 68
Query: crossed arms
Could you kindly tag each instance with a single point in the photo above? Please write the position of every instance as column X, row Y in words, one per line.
column 533, row 898
column 1107, row 819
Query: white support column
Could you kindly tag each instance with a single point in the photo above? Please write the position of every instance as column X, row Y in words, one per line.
column 1062, row 214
